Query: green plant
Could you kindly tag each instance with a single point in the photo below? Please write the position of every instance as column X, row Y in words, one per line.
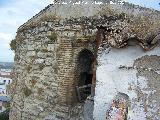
column 5, row 115
column 53, row 36
column 44, row 50
column 7, row 105
column 122, row 16
column 13, row 44
column 27, row 91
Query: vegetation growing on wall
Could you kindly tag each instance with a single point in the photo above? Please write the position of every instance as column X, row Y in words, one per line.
column 5, row 115
column 27, row 91
column 122, row 16
column 53, row 36
column 44, row 50
column 13, row 44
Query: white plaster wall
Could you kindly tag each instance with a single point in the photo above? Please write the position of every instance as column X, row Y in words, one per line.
column 3, row 85
column 8, row 80
column 111, row 80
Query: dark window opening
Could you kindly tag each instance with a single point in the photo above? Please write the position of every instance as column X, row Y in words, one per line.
column 85, row 70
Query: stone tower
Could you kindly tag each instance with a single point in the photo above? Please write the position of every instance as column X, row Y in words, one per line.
column 56, row 54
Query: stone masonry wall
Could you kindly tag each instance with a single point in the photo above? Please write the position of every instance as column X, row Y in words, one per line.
column 35, row 88
column 48, row 45
column 46, row 60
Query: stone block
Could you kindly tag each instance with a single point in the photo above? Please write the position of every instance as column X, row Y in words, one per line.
column 30, row 47
column 41, row 29
column 39, row 61
column 47, row 70
column 31, row 53
column 50, row 24
column 51, row 117
column 41, row 55
column 49, row 61
column 51, row 47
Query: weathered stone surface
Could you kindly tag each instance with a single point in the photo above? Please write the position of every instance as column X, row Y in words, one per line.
column 31, row 47
column 31, row 53
column 49, row 61
column 46, row 60
column 41, row 55
column 39, row 61
column 51, row 47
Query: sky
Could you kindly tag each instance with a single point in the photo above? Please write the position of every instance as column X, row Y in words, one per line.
column 16, row 12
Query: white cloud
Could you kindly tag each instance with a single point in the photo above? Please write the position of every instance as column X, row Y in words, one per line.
column 14, row 14
column 5, row 39
column 5, row 36
column 5, row 53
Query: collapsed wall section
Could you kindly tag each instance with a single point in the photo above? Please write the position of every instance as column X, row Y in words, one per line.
column 130, row 72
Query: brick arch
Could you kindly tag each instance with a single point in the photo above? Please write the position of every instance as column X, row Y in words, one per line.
column 85, row 61
column 68, row 87
column 75, row 57
column 78, row 50
column 79, row 72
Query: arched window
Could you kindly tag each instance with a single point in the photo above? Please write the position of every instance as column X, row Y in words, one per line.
column 85, row 71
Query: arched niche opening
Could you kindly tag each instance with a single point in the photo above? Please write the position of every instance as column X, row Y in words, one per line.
column 85, row 74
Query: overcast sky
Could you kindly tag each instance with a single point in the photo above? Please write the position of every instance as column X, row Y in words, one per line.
column 15, row 12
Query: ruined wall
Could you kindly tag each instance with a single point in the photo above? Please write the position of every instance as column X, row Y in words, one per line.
column 46, row 58
column 35, row 85
column 135, row 15
column 131, row 20
column 47, row 48
column 134, row 73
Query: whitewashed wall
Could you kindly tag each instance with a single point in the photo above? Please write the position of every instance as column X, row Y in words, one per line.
column 111, row 80
column 3, row 83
